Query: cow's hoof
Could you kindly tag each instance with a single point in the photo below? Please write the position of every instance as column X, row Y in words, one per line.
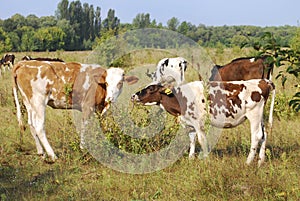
column 192, row 156
column 202, row 156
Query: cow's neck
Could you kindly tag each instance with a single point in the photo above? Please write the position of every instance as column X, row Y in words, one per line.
column 170, row 104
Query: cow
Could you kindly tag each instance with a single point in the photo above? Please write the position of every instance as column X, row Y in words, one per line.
column 228, row 105
column 7, row 60
column 27, row 58
column 169, row 71
column 84, row 87
column 246, row 68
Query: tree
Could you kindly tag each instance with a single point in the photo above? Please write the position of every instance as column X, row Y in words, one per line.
column 68, row 29
column 62, row 11
column 49, row 38
column 48, row 21
column 33, row 21
column 11, row 24
column 76, row 18
column 141, row 21
column 295, row 41
column 173, row 23
column 183, row 28
column 27, row 39
column 15, row 41
column 111, row 22
column 5, row 43
column 280, row 56
column 97, row 21
column 91, row 24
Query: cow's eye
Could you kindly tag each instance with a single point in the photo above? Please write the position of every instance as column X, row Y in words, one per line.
column 151, row 88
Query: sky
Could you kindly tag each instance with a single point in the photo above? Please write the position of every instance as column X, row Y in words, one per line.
column 210, row 12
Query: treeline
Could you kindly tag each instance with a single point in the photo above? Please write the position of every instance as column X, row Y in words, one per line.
column 78, row 26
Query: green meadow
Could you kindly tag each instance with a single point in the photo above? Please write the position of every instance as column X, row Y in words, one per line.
column 77, row 175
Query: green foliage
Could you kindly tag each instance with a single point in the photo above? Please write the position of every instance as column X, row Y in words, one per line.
column 295, row 41
column 281, row 107
column 295, row 102
column 173, row 24
column 281, row 57
column 49, row 38
column 141, row 21
column 143, row 144
column 111, row 22
column 5, row 43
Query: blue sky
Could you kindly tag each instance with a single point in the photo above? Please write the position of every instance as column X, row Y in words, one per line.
column 210, row 12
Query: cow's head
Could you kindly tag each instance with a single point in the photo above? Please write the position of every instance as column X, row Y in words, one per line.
column 151, row 95
column 177, row 63
column 113, row 80
column 170, row 70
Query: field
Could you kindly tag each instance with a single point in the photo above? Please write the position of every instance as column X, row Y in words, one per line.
column 78, row 176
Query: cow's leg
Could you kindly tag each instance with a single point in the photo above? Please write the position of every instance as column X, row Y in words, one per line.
column 263, row 146
column 39, row 126
column 39, row 147
column 82, row 134
column 255, row 118
column 271, row 112
column 38, row 122
column 192, row 136
column 203, row 142
column 86, row 113
column 10, row 66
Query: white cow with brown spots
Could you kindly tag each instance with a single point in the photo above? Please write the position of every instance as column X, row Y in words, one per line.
column 83, row 87
column 229, row 104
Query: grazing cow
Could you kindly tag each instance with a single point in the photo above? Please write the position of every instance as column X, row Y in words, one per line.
column 7, row 60
column 230, row 104
column 41, row 83
column 246, row 69
column 27, row 58
column 169, row 71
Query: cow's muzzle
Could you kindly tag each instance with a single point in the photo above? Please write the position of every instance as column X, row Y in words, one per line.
column 106, row 106
column 135, row 98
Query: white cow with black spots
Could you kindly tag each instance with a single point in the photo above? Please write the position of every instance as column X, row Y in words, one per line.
column 169, row 71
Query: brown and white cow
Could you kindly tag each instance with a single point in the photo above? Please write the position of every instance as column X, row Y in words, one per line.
column 230, row 104
column 169, row 71
column 246, row 68
column 41, row 83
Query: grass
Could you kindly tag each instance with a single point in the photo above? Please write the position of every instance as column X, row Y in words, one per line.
column 78, row 176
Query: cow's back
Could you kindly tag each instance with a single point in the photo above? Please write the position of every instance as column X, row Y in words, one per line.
column 229, row 101
column 33, row 77
column 241, row 69
column 47, row 78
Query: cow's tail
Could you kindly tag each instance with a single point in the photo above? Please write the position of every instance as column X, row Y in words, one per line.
column 272, row 88
column 17, row 103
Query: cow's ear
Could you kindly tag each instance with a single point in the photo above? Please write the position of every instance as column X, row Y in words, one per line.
column 166, row 62
column 100, row 79
column 131, row 79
